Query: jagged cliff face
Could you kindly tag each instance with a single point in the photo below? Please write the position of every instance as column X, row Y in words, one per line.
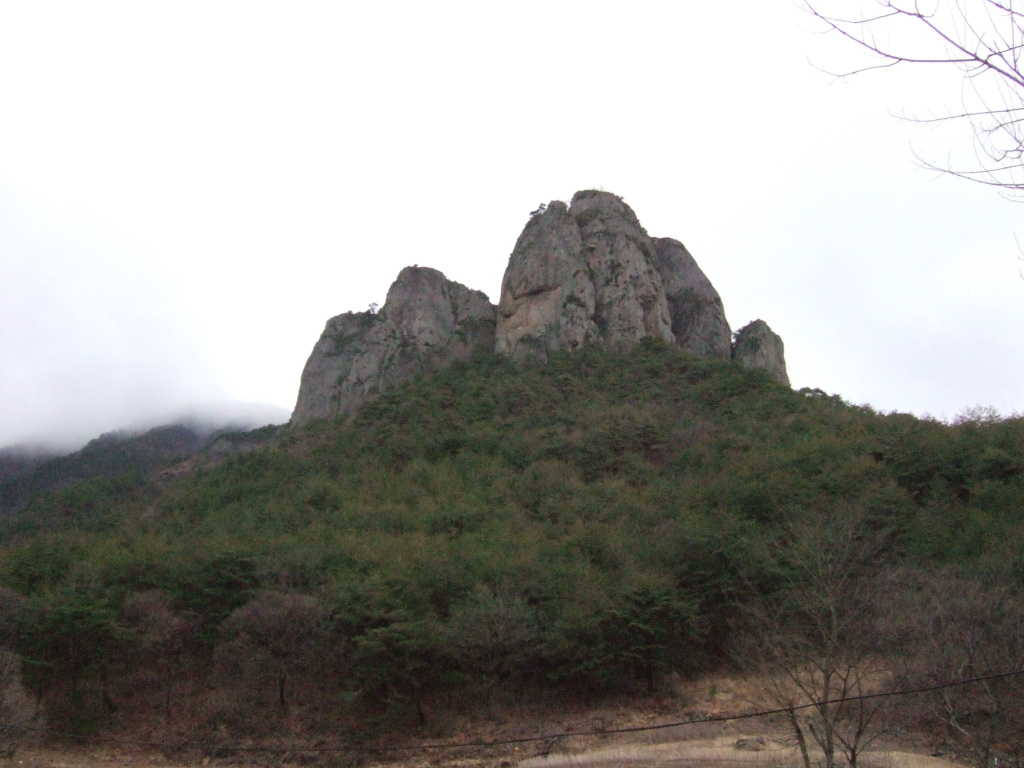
column 589, row 273
column 426, row 323
column 698, row 317
column 583, row 273
column 757, row 346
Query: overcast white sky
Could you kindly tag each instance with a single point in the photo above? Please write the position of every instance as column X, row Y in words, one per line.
column 189, row 190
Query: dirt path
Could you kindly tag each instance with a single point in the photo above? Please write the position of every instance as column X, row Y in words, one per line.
column 752, row 750
column 755, row 751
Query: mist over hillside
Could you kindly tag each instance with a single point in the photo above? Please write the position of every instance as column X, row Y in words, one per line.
column 47, row 441
column 28, row 471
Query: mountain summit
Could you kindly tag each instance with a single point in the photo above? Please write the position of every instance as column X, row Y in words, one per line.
column 580, row 274
column 588, row 273
column 427, row 322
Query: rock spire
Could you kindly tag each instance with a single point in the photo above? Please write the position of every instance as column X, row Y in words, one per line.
column 758, row 346
column 582, row 273
column 427, row 322
column 589, row 273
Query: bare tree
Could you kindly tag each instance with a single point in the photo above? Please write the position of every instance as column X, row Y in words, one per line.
column 818, row 637
column 16, row 707
column 161, row 638
column 970, row 630
column 984, row 39
column 278, row 633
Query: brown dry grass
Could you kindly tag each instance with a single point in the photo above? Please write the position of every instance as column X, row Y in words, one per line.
column 696, row 745
column 718, row 752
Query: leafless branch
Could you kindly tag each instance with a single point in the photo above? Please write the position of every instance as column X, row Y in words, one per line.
column 982, row 38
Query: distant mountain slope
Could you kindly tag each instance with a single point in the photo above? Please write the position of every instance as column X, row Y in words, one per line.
column 115, row 455
column 16, row 461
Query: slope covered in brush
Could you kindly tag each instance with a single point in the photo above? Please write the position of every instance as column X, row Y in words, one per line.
column 596, row 519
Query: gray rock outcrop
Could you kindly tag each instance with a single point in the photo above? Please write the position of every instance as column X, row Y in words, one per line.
column 757, row 346
column 426, row 323
column 698, row 317
column 581, row 274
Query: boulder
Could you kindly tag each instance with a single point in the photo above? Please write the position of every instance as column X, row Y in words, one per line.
column 754, row 744
column 426, row 323
column 757, row 346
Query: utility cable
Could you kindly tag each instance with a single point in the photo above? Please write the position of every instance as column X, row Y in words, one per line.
column 185, row 746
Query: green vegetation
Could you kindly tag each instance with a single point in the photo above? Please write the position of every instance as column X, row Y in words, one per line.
column 574, row 300
column 594, row 523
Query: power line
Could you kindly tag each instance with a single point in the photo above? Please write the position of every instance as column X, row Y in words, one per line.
column 185, row 746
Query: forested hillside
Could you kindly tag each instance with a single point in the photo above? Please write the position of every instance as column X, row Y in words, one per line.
column 601, row 522
column 120, row 457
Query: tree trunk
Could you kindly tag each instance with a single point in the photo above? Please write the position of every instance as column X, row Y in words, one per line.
column 801, row 740
column 826, row 741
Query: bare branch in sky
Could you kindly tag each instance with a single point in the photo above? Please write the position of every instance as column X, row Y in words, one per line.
column 982, row 38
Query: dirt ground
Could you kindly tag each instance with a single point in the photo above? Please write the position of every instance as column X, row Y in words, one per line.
column 588, row 739
column 720, row 752
column 704, row 746
column 702, row 752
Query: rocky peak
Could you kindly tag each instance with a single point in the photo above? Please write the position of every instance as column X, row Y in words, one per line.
column 586, row 273
column 757, row 346
column 582, row 273
column 427, row 322
column 589, row 272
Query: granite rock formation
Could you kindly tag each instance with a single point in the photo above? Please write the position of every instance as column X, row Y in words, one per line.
column 757, row 346
column 698, row 317
column 582, row 273
column 426, row 323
